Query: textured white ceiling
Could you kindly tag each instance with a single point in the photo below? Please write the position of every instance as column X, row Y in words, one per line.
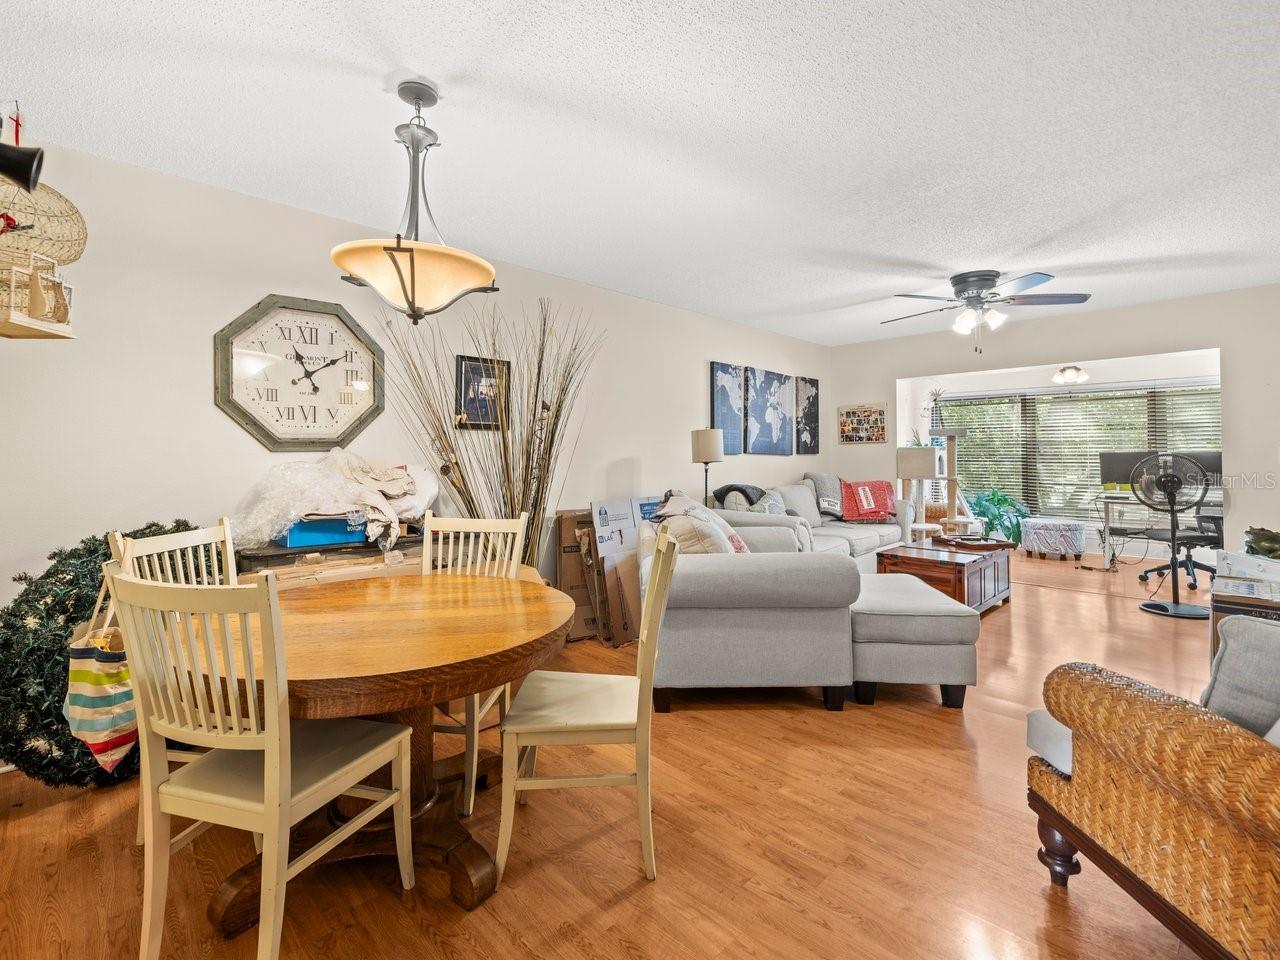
column 787, row 165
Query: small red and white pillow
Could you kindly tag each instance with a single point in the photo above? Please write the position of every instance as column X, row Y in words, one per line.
column 867, row 501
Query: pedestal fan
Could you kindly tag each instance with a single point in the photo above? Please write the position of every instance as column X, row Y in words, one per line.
column 1173, row 484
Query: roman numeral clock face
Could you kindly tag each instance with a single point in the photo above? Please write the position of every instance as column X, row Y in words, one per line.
column 299, row 378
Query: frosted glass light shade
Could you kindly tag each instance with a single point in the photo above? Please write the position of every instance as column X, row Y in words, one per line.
column 921, row 463
column 433, row 275
column 966, row 320
column 708, row 446
column 995, row 319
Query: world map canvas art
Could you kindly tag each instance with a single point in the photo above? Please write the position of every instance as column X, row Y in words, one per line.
column 726, row 404
column 806, row 415
column 771, row 406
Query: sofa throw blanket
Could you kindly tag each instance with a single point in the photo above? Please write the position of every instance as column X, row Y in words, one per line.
column 746, row 490
column 826, row 486
column 866, row 501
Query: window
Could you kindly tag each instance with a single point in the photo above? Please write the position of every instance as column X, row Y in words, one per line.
column 1042, row 447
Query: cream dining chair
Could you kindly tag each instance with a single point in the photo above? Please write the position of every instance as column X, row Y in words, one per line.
column 206, row 557
column 195, row 655
column 487, row 548
column 585, row 708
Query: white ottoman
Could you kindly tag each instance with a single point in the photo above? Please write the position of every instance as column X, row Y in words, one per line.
column 1046, row 536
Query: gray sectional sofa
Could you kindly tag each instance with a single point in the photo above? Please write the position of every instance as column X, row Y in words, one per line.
column 822, row 534
column 791, row 615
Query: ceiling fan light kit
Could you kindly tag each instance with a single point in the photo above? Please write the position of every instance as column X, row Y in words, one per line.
column 977, row 292
column 413, row 276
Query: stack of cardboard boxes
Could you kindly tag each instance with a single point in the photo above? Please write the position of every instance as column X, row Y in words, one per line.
column 598, row 567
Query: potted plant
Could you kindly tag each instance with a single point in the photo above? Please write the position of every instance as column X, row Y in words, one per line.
column 1001, row 515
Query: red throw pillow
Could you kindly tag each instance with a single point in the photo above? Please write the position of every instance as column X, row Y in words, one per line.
column 867, row 501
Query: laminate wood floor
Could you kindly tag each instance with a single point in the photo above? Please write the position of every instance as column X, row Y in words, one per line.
column 782, row 830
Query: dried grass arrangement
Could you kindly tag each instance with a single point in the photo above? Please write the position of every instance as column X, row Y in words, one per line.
column 505, row 471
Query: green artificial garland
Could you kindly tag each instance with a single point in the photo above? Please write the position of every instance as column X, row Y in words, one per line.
column 34, row 632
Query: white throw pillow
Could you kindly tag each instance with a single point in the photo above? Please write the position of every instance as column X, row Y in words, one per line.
column 697, row 536
column 679, row 505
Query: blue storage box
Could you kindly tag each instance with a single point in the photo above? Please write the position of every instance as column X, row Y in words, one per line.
column 323, row 532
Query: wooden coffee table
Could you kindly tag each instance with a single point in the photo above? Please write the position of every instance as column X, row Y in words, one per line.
column 978, row 580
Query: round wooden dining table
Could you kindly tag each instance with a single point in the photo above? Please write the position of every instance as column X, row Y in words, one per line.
column 391, row 648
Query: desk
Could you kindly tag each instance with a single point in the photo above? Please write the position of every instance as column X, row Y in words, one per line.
column 391, row 648
column 1114, row 503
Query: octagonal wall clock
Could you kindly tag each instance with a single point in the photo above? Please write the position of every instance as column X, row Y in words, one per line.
column 298, row 374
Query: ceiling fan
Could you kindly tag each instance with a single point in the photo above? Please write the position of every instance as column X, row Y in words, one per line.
column 977, row 292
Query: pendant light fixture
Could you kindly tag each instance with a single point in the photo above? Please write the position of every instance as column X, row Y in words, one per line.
column 414, row 276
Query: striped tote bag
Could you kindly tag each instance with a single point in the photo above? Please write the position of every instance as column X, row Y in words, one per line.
column 99, row 706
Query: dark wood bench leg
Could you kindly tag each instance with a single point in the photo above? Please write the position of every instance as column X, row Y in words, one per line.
column 864, row 692
column 953, row 695
column 1058, row 854
column 661, row 699
column 833, row 697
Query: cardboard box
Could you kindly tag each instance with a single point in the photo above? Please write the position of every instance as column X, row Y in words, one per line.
column 570, row 572
column 576, row 573
column 617, row 530
column 617, row 522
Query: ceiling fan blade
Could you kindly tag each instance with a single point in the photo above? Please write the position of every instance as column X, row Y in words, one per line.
column 925, row 296
column 954, row 306
column 1025, row 282
column 1044, row 299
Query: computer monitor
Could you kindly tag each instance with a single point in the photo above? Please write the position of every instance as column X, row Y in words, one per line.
column 1116, row 467
column 1211, row 460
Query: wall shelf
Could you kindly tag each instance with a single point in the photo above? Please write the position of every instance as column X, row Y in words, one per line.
column 18, row 326
column 17, row 271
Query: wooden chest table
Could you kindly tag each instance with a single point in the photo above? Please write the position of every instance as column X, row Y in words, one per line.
column 978, row 580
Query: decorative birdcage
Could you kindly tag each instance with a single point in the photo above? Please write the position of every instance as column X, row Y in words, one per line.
column 40, row 232
column 34, row 300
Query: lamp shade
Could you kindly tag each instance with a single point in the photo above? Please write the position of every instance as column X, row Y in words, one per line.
column 708, row 446
column 414, row 277
column 921, row 463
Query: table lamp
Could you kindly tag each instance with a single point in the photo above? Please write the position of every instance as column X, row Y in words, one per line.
column 919, row 464
column 708, row 448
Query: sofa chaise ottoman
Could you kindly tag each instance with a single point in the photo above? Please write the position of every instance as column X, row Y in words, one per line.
column 905, row 631
column 776, row 617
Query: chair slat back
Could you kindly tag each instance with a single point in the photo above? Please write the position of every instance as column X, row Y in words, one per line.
column 486, row 548
column 195, row 654
column 655, row 608
column 203, row 557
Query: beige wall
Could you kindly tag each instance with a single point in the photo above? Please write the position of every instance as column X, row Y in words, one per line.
column 119, row 427
column 1243, row 324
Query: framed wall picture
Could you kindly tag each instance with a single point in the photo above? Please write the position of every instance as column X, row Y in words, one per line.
column 481, row 393
column 807, row 421
column 862, row 423
column 726, row 404
column 770, row 402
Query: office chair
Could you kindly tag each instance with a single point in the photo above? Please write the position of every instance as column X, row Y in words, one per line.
column 1208, row 533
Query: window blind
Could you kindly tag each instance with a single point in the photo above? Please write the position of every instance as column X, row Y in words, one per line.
column 1042, row 447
